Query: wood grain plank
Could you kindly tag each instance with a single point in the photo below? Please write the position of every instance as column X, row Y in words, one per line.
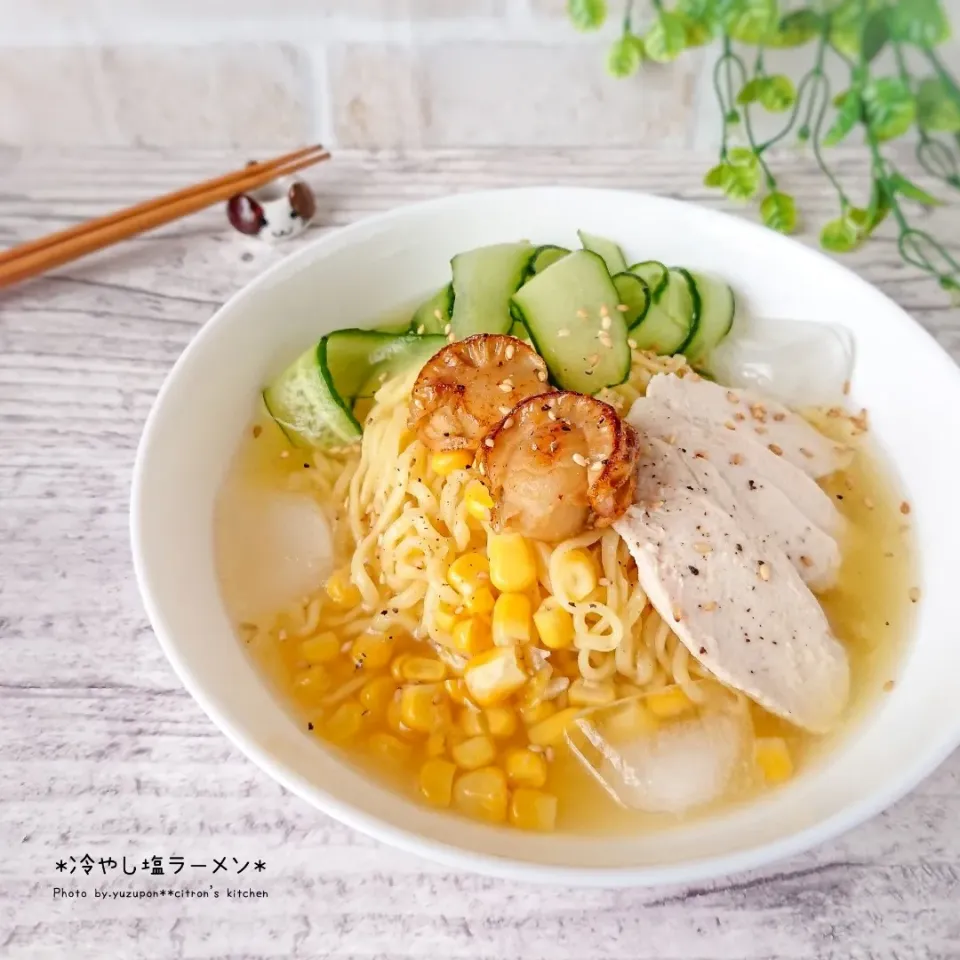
column 103, row 752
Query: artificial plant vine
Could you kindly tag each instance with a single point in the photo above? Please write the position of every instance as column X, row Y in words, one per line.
column 885, row 105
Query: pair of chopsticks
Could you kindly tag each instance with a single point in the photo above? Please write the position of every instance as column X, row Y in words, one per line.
column 33, row 258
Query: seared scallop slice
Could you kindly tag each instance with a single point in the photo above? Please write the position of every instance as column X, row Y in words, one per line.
column 469, row 386
column 559, row 464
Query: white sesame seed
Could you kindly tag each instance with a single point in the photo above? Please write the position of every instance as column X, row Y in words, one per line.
column 542, row 376
column 632, row 344
column 284, row 454
column 605, row 339
column 534, row 447
column 563, row 333
column 488, row 442
column 622, row 307
column 582, row 314
column 764, row 571
column 505, row 410
column 593, row 359
column 605, row 322
column 505, row 385
column 438, row 314
column 482, row 469
column 603, row 310
column 447, row 328
column 510, row 351
column 421, row 328
column 579, row 459
column 508, row 423
column 703, row 548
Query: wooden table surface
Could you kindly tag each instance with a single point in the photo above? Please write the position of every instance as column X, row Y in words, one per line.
column 104, row 754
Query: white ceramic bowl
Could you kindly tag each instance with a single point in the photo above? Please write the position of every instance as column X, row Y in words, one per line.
column 910, row 386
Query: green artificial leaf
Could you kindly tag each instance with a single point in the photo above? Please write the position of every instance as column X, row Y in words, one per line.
column 847, row 25
column 952, row 286
column 751, row 91
column 907, row 188
column 698, row 21
column 796, row 29
column 742, row 174
column 878, row 209
column 875, row 34
column 749, row 21
column 625, row 55
column 937, row 111
column 889, row 107
column 840, row 235
column 666, row 39
column 839, row 98
column 779, row 212
column 587, row 14
column 778, row 93
column 732, row 118
column 846, row 119
column 716, row 176
column 920, row 22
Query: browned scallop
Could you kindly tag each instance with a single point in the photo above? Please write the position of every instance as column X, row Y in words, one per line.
column 559, row 464
column 469, row 386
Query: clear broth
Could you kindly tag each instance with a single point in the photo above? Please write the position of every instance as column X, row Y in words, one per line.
column 870, row 611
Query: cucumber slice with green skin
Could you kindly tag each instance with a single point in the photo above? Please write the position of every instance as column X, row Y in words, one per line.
column 483, row 282
column 565, row 309
column 717, row 307
column 434, row 313
column 611, row 253
column 519, row 331
column 306, row 405
column 654, row 273
column 634, row 295
column 544, row 256
column 406, row 352
column 672, row 318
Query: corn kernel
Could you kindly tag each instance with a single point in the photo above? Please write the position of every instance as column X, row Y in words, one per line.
column 372, row 652
column 341, row 590
column 445, row 618
column 386, row 747
column 482, row 794
column 445, row 462
column 628, row 721
column 492, row 676
column 591, row 693
column 473, row 723
column 525, row 768
column 533, row 809
column 424, row 708
column 472, row 636
column 513, row 568
column 436, row 781
column 474, row 753
column 555, row 626
column 511, row 619
column 469, row 572
column 668, row 703
column 480, row 602
column 773, row 757
column 478, row 500
column 456, row 689
column 312, row 682
column 423, row 669
column 549, row 732
column 532, row 714
column 377, row 694
column 436, row 744
column 321, row 648
column 396, row 666
column 344, row 723
column 501, row 722
column 395, row 720
column 577, row 574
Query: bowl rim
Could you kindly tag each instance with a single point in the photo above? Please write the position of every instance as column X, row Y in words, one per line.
column 688, row 871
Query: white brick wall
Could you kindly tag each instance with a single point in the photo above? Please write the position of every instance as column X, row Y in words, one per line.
column 347, row 72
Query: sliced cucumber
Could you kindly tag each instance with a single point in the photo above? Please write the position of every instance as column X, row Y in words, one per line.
column 404, row 353
column 483, row 282
column 434, row 313
column 306, row 405
column 566, row 309
column 673, row 316
column 394, row 327
column 717, row 307
column 655, row 274
column 519, row 331
column 611, row 253
column 545, row 255
column 634, row 295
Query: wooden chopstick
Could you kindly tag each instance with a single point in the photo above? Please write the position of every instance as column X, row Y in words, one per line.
column 37, row 256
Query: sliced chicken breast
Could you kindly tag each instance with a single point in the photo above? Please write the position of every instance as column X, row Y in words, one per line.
column 765, row 422
column 782, row 498
column 730, row 593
